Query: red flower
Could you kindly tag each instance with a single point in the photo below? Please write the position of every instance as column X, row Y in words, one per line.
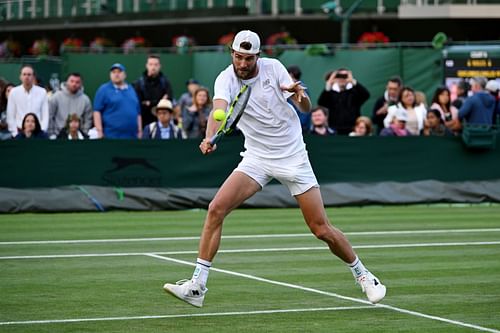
column 373, row 37
column 226, row 39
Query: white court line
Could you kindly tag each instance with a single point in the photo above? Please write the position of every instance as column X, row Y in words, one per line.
column 274, row 249
column 317, row 291
column 209, row 314
column 188, row 238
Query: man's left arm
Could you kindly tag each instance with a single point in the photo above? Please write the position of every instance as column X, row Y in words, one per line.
column 139, row 126
column 139, row 117
column 44, row 122
column 87, row 116
column 292, row 90
column 361, row 92
column 300, row 99
column 168, row 90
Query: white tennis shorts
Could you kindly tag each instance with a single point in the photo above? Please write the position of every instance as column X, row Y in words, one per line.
column 294, row 172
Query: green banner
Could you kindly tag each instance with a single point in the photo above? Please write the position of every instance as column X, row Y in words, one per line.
column 419, row 68
column 179, row 164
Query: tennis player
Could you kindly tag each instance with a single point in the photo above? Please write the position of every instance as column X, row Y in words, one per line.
column 274, row 148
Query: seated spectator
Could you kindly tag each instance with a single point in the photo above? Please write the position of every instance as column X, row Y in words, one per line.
column 304, row 117
column 31, row 128
column 164, row 128
column 117, row 113
column 480, row 107
column 72, row 130
column 363, row 127
column 398, row 124
column 343, row 96
column 415, row 113
column 390, row 97
column 194, row 117
column 4, row 126
column 435, row 124
column 319, row 122
column 441, row 101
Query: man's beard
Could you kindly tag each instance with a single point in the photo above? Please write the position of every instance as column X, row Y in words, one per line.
column 247, row 74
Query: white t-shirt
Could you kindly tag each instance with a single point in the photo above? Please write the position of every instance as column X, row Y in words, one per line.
column 270, row 125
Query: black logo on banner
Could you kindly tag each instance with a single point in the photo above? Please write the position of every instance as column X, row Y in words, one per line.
column 132, row 172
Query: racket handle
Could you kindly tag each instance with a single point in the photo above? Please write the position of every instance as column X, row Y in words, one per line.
column 215, row 139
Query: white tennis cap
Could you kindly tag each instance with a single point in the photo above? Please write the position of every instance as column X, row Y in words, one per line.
column 401, row 115
column 246, row 36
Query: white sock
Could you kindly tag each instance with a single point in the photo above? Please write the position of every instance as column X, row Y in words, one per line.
column 357, row 268
column 201, row 271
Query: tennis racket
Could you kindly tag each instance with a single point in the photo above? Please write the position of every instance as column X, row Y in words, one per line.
column 233, row 115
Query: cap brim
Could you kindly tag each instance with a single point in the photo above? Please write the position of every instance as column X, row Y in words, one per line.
column 155, row 110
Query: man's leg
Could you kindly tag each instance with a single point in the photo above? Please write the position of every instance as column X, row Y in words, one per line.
column 236, row 189
column 311, row 204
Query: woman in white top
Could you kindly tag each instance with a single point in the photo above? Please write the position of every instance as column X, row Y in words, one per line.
column 415, row 113
column 442, row 102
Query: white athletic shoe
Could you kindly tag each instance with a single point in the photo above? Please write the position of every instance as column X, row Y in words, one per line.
column 189, row 291
column 372, row 287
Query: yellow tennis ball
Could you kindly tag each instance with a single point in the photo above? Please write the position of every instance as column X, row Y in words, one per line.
column 219, row 115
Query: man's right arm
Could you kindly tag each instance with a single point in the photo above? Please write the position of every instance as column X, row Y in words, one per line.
column 87, row 116
column 98, row 124
column 380, row 108
column 53, row 107
column 325, row 99
column 465, row 109
column 99, row 107
column 11, row 115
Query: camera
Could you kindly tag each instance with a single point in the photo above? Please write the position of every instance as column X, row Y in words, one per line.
column 341, row 76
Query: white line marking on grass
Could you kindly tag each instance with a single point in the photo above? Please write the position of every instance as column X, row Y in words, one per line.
column 317, row 291
column 209, row 314
column 274, row 249
column 188, row 238
column 76, row 255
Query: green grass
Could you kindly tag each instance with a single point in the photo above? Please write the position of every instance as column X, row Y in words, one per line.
column 457, row 283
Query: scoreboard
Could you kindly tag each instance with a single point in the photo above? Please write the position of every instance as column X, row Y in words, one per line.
column 463, row 63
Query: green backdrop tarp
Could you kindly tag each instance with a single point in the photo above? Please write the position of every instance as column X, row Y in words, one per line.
column 95, row 68
column 419, row 68
column 179, row 164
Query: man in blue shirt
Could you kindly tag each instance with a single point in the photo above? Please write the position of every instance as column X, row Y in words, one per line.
column 480, row 107
column 117, row 113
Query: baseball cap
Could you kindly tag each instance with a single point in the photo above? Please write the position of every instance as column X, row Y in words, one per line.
column 117, row 66
column 246, row 36
column 192, row 81
column 163, row 104
column 492, row 86
column 401, row 115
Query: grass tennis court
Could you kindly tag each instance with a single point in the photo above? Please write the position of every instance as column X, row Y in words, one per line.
column 94, row 272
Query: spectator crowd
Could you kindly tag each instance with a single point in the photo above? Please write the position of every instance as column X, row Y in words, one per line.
column 147, row 108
